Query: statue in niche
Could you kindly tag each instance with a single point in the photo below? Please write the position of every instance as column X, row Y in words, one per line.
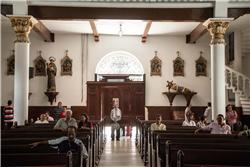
column 177, row 88
column 51, row 72
column 11, row 64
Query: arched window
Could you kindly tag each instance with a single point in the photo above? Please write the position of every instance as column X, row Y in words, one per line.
column 120, row 63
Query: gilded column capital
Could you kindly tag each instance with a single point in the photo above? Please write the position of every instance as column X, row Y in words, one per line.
column 217, row 28
column 22, row 26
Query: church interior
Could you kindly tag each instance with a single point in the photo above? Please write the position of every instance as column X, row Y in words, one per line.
column 122, row 66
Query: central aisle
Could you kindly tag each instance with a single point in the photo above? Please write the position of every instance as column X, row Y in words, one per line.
column 120, row 153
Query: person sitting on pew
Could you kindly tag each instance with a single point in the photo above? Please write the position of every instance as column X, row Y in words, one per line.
column 84, row 122
column 42, row 120
column 217, row 128
column 158, row 125
column 65, row 144
column 245, row 132
column 202, row 121
column 189, row 121
column 62, row 115
column 47, row 117
column 64, row 123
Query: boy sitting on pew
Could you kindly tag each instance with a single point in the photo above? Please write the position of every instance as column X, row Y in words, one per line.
column 65, row 144
column 218, row 127
column 189, row 121
column 158, row 125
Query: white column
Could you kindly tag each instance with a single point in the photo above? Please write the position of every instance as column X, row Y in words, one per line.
column 22, row 26
column 218, row 79
column 21, row 82
column 217, row 28
column 237, row 61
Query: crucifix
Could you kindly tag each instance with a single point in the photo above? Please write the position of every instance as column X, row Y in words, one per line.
column 201, row 53
column 40, row 52
column 178, row 53
column 66, row 52
column 156, row 53
column 13, row 52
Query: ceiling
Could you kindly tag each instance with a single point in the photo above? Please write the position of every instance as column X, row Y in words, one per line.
column 129, row 27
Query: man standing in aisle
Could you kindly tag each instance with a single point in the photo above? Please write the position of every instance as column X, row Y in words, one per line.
column 115, row 116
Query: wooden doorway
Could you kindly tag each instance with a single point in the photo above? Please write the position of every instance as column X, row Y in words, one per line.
column 131, row 95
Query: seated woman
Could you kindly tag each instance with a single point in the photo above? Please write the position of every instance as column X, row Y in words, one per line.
column 84, row 122
column 158, row 125
column 62, row 114
column 202, row 121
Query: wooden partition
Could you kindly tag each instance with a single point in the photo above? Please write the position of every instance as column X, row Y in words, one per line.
column 131, row 96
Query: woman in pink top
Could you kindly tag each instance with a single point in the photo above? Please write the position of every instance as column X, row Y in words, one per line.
column 231, row 117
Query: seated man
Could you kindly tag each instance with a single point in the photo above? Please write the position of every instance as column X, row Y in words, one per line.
column 158, row 125
column 48, row 118
column 64, row 123
column 42, row 120
column 217, row 128
column 65, row 144
column 245, row 132
column 189, row 121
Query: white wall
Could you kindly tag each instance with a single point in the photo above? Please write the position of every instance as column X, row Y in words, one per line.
column 70, row 86
column 246, row 66
column 167, row 46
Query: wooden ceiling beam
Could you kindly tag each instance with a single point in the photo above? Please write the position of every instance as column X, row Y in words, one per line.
column 80, row 13
column 198, row 32
column 144, row 35
column 93, row 26
column 44, row 32
column 237, row 12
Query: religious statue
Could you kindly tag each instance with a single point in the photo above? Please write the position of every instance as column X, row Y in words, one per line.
column 51, row 72
column 178, row 88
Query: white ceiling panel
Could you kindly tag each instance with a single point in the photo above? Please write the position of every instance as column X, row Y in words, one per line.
column 55, row 26
column 129, row 27
column 172, row 28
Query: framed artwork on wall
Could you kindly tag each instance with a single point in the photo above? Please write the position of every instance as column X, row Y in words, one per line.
column 40, row 65
column 11, row 64
column 178, row 66
column 116, row 101
column 67, row 65
column 201, row 66
column 155, row 66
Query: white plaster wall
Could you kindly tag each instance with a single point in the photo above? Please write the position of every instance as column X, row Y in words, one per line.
column 167, row 46
column 70, row 86
column 246, row 66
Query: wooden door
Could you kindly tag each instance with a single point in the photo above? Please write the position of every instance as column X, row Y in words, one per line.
column 121, row 92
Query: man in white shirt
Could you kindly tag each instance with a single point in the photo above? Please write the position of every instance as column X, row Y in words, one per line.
column 208, row 113
column 47, row 117
column 188, row 110
column 189, row 121
column 115, row 117
column 42, row 119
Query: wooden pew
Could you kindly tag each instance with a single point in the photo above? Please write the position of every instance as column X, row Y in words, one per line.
column 37, row 159
column 166, row 156
column 189, row 138
column 218, row 158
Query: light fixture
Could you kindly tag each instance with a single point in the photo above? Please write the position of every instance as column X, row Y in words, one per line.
column 120, row 33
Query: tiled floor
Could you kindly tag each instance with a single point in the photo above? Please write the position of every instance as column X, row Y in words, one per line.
column 120, row 153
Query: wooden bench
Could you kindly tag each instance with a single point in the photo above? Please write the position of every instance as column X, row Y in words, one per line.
column 189, row 158
column 167, row 153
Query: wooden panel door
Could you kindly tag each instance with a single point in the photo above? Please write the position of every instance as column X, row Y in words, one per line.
column 121, row 92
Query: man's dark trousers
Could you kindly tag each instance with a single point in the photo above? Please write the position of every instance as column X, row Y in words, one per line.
column 117, row 132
